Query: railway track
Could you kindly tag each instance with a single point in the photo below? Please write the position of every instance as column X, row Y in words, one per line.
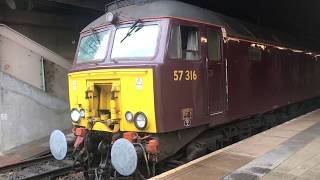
column 45, row 167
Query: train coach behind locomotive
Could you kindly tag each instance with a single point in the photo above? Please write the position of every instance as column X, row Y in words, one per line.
column 148, row 78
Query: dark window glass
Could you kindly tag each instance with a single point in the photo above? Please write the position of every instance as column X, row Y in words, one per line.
column 184, row 43
column 214, row 45
column 254, row 54
column 174, row 46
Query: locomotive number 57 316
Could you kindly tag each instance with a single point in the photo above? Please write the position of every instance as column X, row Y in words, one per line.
column 188, row 75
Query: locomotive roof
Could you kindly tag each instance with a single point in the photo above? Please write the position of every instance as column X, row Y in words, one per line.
column 171, row 8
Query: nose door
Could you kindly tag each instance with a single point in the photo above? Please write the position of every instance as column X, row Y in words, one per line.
column 216, row 72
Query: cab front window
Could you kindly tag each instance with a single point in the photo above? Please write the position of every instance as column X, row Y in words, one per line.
column 93, row 47
column 141, row 43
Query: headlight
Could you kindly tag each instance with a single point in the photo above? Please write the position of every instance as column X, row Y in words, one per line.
column 75, row 115
column 140, row 120
column 129, row 116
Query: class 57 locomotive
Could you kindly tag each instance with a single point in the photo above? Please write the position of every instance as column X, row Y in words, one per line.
column 151, row 76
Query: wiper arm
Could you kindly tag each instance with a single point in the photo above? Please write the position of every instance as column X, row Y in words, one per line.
column 95, row 34
column 132, row 28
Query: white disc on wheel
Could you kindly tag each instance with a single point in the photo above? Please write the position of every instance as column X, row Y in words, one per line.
column 124, row 157
column 58, row 145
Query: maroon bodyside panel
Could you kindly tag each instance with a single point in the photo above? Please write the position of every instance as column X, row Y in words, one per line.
column 178, row 95
column 280, row 78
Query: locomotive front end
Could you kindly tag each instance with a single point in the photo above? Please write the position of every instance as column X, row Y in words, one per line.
column 112, row 108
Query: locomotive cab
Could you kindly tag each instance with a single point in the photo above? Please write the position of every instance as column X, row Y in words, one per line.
column 111, row 85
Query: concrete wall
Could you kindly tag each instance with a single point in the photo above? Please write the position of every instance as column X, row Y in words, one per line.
column 21, row 57
column 20, row 62
column 27, row 113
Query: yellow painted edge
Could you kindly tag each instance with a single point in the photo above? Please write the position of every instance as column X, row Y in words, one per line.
column 175, row 170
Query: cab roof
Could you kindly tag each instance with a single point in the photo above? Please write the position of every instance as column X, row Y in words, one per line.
column 140, row 9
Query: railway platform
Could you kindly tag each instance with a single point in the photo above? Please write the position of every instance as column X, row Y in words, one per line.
column 288, row 151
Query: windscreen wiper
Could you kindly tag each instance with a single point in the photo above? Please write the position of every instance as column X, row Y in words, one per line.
column 134, row 28
column 95, row 34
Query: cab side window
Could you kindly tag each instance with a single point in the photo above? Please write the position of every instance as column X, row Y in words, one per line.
column 214, row 42
column 184, row 43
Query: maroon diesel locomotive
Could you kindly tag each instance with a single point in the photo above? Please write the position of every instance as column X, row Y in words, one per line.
column 150, row 76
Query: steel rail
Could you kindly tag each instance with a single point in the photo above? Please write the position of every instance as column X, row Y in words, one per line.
column 53, row 173
column 24, row 164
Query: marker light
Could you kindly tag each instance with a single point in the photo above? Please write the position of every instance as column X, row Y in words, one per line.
column 82, row 113
column 129, row 116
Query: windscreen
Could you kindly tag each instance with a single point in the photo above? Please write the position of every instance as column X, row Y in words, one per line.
column 93, row 47
column 141, row 42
